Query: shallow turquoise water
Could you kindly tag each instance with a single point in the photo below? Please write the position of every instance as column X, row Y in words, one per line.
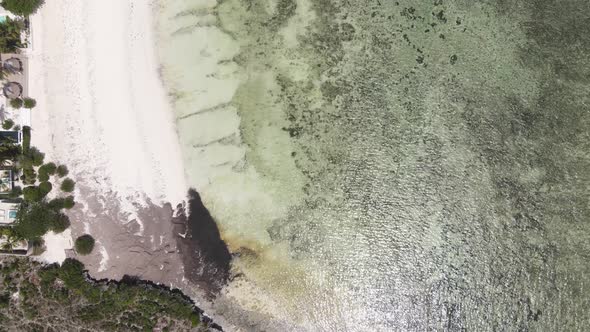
column 390, row 165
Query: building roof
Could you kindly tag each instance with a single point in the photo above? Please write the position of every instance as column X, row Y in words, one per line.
column 13, row 90
column 9, row 136
column 12, row 65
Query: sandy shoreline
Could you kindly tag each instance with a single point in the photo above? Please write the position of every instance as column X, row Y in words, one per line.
column 102, row 111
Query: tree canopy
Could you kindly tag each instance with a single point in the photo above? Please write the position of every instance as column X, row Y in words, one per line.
column 10, row 38
column 34, row 219
column 22, row 7
column 68, row 185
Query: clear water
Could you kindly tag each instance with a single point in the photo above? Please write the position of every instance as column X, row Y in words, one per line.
column 390, row 165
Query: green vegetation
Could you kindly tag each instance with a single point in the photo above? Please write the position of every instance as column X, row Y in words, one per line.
column 69, row 202
column 26, row 138
column 33, row 194
column 9, row 152
column 38, row 245
column 49, row 168
column 84, row 244
column 22, row 7
column 60, row 297
column 10, row 36
column 30, row 103
column 45, row 188
column 62, row 170
column 17, row 102
column 37, row 217
column 7, row 124
column 63, row 203
column 30, row 158
column 68, row 185
column 45, row 171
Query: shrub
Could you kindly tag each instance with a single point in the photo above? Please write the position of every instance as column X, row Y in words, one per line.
column 69, row 202
column 7, row 124
column 16, row 103
column 29, row 102
column 62, row 170
column 45, row 188
column 68, row 185
column 22, row 7
column 84, row 244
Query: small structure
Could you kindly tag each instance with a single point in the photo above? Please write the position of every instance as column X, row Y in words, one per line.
column 10, row 137
column 12, row 65
column 14, row 68
column 8, row 212
column 13, row 90
column 6, row 181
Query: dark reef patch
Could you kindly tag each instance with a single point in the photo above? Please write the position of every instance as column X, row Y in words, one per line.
column 205, row 256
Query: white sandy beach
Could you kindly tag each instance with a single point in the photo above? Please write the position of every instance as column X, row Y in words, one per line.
column 102, row 111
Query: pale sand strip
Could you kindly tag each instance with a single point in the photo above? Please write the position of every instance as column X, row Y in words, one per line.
column 101, row 107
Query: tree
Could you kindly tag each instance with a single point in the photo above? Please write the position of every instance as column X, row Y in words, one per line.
column 36, row 156
column 45, row 188
column 29, row 102
column 32, row 194
column 62, row 170
column 71, row 273
column 45, row 171
column 38, row 245
column 22, row 7
column 68, row 185
column 34, row 219
column 60, row 223
column 50, row 167
column 17, row 102
column 84, row 244
column 7, row 124
column 69, row 202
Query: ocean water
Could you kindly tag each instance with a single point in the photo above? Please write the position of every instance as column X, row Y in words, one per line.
column 389, row 165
